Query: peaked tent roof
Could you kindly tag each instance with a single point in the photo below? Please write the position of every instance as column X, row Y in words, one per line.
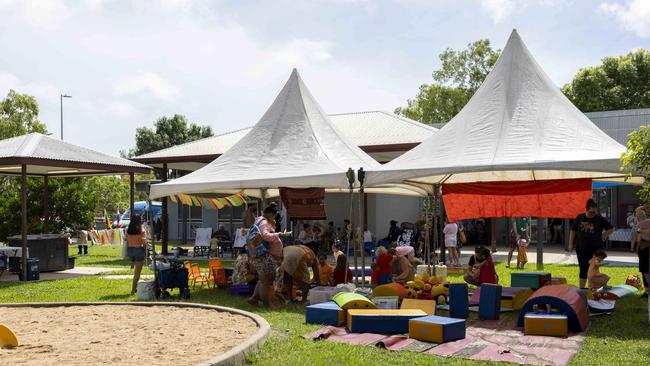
column 293, row 145
column 517, row 126
column 47, row 156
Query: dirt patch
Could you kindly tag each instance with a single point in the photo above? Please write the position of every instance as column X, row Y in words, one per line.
column 121, row 335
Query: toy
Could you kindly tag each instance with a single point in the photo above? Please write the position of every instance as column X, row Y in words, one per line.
column 428, row 306
column 411, row 293
column 634, row 280
column 7, row 337
column 321, row 294
column 532, row 280
column 381, row 320
column 489, row 306
column 386, row 302
column 329, row 313
column 458, row 300
column 563, row 297
column 351, row 300
column 442, row 300
column 556, row 325
column 390, row 289
column 437, row 329
column 558, row 281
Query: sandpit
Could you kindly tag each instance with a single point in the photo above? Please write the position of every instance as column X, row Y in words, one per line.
column 124, row 334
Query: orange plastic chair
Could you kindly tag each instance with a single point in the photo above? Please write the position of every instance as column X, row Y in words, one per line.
column 216, row 273
column 197, row 276
column 187, row 266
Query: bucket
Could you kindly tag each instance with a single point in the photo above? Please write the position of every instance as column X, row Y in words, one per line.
column 422, row 269
column 146, row 291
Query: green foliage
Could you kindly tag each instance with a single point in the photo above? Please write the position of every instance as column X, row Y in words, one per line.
column 636, row 159
column 19, row 115
column 460, row 75
column 167, row 132
column 621, row 82
column 112, row 193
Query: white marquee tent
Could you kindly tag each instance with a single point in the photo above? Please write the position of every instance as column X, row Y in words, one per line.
column 518, row 126
column 293, row 145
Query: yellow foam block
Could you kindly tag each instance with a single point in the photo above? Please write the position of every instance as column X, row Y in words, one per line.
column 558, row 280
column 428, row 306
column 517, row 301
column 555, row 325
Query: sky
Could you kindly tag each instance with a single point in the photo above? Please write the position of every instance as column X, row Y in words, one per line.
column 127, row 63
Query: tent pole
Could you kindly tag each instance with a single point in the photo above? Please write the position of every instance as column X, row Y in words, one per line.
column 132, row 195
column 23, row 217
column 46, row 198
column 351, row 179
column 362, row 219
column 441, row 237
column 164, row 230
column 540, row 243
column 427, row 237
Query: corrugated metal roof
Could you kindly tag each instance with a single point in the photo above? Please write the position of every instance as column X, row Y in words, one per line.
column 619, row 124
column 38, row 149
column 372, row 128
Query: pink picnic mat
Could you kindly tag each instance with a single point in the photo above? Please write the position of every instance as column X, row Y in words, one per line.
column 487, row 340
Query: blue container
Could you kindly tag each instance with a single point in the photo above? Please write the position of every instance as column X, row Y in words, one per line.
column 458, row 300
column 33, row 273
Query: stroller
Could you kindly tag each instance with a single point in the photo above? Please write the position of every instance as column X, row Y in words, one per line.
column 407, row 235
column 170, row 273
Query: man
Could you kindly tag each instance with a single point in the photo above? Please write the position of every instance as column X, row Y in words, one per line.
column 393, row 232
column 588, row 233
column 221, row 234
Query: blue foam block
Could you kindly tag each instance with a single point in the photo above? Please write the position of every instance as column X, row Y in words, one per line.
column 489, row 306
column 325, row 313
column 452, row 329
column 387, row 324
column 458, row 300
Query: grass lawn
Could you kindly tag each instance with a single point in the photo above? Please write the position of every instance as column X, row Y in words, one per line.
column 622, row 338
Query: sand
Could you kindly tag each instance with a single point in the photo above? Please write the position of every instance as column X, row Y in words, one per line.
column 121, row 335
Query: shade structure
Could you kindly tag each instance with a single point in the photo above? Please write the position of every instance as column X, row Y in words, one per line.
column 294, row 145
column 35, row 154
column 518, row 126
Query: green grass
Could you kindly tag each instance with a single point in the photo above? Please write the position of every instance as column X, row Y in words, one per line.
column 622, row 338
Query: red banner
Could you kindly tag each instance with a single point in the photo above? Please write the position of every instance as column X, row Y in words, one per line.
column 562, row 198
column 304, row 204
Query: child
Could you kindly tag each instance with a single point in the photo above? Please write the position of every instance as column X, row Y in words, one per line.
column 242, row 273
column 374, row 275
column 522, row 256
column 336, row 251
column 342, row 273
column 594, row 277
column 325, row 270
column 383, row 262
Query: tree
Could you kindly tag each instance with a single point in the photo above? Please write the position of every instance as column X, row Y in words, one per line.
column 636, row 159
column 168, row 132
column 460, row 75
column 19, row 115
column 621, row 82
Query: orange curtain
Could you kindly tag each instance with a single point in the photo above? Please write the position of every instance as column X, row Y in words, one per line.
column 562, row 198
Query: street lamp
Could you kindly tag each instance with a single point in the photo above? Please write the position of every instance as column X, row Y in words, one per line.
column 63, row 96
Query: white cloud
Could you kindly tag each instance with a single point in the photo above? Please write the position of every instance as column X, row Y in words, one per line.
column 145, row 82
column 634, row 16
column 299, row 51
column 42, row 91
column 499, row 9
column 44, row 14
column 122, row 109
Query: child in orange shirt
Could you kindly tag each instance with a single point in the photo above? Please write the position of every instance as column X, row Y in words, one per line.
column 326, row 271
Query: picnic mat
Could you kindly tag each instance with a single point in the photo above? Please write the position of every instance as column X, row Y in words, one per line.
column 487, row 340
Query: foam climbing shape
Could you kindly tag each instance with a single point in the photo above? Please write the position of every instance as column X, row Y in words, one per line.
column 329, row 313
column 563, row 297
column 556, row 325
column 7, row 337
column 351, row 300
column 428, row 306
column 511, row 297
column 437, row 329
column 489, row 307
column 390, row 289
column 458, row 300
column 381, row 320
column 532, row 280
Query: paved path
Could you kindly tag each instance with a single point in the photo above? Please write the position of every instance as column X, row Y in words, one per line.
column 556, row 255
column 60, row 275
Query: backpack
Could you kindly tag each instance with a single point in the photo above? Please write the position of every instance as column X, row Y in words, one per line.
column 254, row 238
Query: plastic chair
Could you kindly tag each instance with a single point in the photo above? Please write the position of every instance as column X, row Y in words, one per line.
column 216, row 272
column 197, row 276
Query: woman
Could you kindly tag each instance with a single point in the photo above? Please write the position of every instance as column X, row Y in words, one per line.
column 265, row 252
column 481, row 268
column 451, row 242
column 136, row 241
column 296, row 262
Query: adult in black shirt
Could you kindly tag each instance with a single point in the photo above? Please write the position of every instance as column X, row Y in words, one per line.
column 221, row 234
column 589, row 231
column 393, row 232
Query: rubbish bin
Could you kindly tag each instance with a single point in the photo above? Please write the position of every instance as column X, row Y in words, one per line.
column 71, row 261
column 32, row 270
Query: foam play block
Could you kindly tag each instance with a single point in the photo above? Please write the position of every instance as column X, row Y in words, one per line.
column 437, row 329
column 458, row 300
column 556, row 325
column 381, row 320
column 321, row 294
column 558, row 281
column 329, row 313
column 428, row 306
column 386, row 302
column 390, row 289
column 489, row 306
column 532, row 280
column 351, row 300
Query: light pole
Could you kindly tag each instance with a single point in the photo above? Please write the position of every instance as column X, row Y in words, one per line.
column 63, row 96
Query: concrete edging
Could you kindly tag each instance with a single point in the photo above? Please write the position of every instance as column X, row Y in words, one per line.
column 235, row 356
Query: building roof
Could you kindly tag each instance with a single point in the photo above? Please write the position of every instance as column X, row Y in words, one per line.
column 294, row 144
column 44, row 155
column 377, row 132
column 517, row 126
column 619, row 124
